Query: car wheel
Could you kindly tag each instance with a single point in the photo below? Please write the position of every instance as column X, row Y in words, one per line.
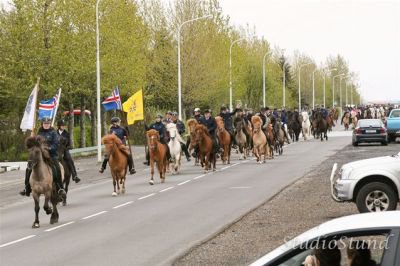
column 384, row 143
column 355, row 143
column 392, row 138
column 376, row 197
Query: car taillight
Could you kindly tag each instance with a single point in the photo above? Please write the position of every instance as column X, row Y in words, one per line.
column 383, row 130
column 358, row 131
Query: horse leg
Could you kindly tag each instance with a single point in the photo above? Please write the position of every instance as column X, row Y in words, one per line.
column 66, row 184
column 46, row 206
column 163, row 170
column 114, row 184
column 151, row 182
column 118, row 187
column 36, row 223
column 54, row 215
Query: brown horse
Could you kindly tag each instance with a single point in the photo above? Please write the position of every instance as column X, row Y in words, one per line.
column 191, row 125
column 346, row 121
column 270, row 140
column 158, row 155
column 259, row 139
column 224, row 139
column 335, row 114
column 241, row 138
column 41, row 179
column 118, row 160
column 207, row 156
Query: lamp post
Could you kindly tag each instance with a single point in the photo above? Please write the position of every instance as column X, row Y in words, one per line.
column 324, row 77
column 351, row 95
column 284, row 85
column 340, row 90
column 98, row 84
column 264, row 74
column 179, row 62
column 333, row 89
column 300, row 84
column 313, row 88
column 230, row 72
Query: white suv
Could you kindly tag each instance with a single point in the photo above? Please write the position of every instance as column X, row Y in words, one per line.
column 373, row 184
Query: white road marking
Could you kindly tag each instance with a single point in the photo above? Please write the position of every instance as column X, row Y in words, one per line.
column 166, row 189
column 16, row 241
column 54, row 228
column 187, row 181
column 198, row 177
column 226, row 167
column 123, row 204
column 234, row 164
column 93, row 215
column 239, row 187
column 147, row 196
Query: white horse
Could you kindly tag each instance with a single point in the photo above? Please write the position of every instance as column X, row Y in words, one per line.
column 306, row 125
column 174, row 147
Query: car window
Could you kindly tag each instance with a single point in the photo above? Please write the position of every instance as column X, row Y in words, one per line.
column 377, row 243
column 395, row 113
column 370, row 123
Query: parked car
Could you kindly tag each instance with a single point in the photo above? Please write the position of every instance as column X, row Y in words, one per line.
column 373, row 184
column 370, row 130
column 393, row 124
column 381, row 230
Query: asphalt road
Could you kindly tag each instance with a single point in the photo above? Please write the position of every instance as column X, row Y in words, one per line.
column 151, row 225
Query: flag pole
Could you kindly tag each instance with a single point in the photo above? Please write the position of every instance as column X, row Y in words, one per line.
column 124, row 120
column 34, row 113
column 144, row 122
column 56, row 107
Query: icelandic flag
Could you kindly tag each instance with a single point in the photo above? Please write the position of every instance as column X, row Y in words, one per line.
column 113, row 102
column 47, row 107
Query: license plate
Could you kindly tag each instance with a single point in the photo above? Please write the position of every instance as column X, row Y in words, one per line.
column 370, row 131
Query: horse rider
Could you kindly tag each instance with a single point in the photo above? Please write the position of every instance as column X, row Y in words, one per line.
column 168, row 117
column 211, row 125
column 67, row 156
column 283, row 117
column 52, row 140
column 122, row 134
column 197, row 115
column 180, row 126
column 160, row 127
column 227, row 117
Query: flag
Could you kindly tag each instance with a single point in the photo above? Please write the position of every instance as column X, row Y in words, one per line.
column 134, row 108
column 28, row 120
column 113, row 102
column 47, row 107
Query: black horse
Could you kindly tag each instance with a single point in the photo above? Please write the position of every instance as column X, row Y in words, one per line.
column 294, row 125
column 321, row 126
column 67, row 172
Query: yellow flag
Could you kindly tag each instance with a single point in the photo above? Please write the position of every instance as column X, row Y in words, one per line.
column 134, row 107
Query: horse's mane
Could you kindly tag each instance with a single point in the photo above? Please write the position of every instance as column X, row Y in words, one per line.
column 39, row 142
column 117, row 141
column 203, row 128
column 153, row 132
column 256, row 119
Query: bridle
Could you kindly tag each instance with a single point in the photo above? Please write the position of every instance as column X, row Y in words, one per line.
column 113, row 147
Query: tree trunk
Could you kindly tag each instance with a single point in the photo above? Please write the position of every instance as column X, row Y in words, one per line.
column 93, row 113
column 82, row 139
column 71, row 123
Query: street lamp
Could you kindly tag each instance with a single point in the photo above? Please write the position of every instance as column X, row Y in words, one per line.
column 179, row 62
column 333, row 89
column 265, row 55
column 284, row 85
column 313, row 88
column 340, row 90
column 230, row 72
column 300, row 84
column 98, row 84
column 324, row 77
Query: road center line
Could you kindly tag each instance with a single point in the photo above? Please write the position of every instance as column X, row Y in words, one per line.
column 239, row 187
column 226, row 167
column 147, row 196
column 166, row 189
column 54, row 228
column 122, row 205
column 235, row 164
column 93, row 215
column 16, row 241
column 187, row 181
column 198, row 177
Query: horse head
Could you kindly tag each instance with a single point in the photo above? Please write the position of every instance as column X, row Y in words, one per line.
column 220, row 123
column 257, row 122
column 200, row 131
column 37, row 150
column 171, row 128
column 153, row 138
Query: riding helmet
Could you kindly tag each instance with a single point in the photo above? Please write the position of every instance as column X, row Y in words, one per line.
column 60, row 122
column 45, row 119
column 159, row 116
column 115, row 120
column 197, row 109
column 175, row 114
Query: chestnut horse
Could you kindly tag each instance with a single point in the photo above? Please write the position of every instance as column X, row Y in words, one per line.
column 191, row 124
column 346, row 121
column 224, row 139
column 241, row 138
column 158, row 155
column 207, row 156
column 118, row 160
column 41, row 179
column 270, row 139
column 259, row 139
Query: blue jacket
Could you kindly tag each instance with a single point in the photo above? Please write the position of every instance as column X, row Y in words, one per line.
column 52, row 140
column 160, row 127
column 180, row 126
column 120, row 132
column 210, row 124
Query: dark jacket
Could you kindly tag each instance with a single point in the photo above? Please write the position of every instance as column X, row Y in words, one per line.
column 160, row 127
column 180, row 126
column 66, row 136
column 227, row 117
column 52, row 140
column 210, row 124
column 198, row 118
column 120, row 132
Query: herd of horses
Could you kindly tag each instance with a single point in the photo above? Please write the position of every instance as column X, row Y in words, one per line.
column 253, row 136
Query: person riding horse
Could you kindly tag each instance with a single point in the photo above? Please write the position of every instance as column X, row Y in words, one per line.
column 211, row 125
column 67, row 156
column 122, row 134
column 52, row 140
column 160, row 127
column 180, row 126
column 197, row 115
column 227, row 117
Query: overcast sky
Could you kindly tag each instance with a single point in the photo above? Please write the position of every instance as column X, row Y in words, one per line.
column 365, row 32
